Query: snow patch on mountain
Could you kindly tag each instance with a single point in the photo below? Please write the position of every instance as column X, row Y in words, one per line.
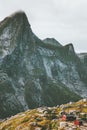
column 47, row 67
column 21, row 81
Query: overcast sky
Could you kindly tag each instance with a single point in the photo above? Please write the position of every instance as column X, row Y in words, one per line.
column 65, row 20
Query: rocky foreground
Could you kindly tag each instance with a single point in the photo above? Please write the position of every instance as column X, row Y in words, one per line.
column 61, row 117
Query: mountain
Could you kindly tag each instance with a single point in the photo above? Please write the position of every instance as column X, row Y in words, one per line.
column 52, row 41
column 34, row 72
column 83, row 58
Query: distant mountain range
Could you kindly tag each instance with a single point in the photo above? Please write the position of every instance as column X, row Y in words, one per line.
column 37, row 73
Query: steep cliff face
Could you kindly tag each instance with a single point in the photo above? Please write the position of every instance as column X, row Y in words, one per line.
column 34, row 72
column 83, row 58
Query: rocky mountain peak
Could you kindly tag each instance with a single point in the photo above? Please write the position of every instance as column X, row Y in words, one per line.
column 16, row 17
column 19, row 16
column 18, row 13
column 70, row 48
column 52, row 41
column 13, row 28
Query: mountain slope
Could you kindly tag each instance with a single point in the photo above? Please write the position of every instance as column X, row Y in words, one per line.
column 34, row 73
column 83, row 58
column 48, row 118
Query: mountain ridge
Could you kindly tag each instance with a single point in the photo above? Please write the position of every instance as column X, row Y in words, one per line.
column 36, row 73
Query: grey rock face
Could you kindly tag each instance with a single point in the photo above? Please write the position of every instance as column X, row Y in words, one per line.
column 52, row 41
column 83, row 58
column 34, row 73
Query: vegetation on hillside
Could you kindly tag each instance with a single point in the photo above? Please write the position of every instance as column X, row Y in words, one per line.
column 48, row 118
